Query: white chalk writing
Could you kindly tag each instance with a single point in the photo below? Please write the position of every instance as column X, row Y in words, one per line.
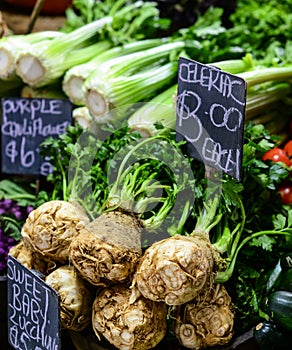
column 26, row 123
column 226, row 159
column 28, row 310
column 31, row 107
column 210, row 78
column 210, row 114
column 230, row 118
column 32, row 128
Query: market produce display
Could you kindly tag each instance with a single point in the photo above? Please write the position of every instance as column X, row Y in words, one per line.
column 146, row 246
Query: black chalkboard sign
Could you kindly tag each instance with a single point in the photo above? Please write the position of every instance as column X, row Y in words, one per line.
column 33, row 310
column 26, row 123
column 210, row 115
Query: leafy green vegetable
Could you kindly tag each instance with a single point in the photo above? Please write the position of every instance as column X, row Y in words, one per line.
column 140, row 18
column 257, row 26
column 24, row 193
column 80, row 162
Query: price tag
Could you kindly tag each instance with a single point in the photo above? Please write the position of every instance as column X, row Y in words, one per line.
column 210, row 115
column 26, row 123
column 33, row 310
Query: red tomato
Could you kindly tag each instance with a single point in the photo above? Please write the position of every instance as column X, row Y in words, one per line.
column 288, row 148
column 286, row 193
column 277, row 155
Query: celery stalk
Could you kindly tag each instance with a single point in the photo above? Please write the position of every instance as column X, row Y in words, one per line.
column 136, row 61
column 38, row 74
column 263, row 75
column 258, row 100
column 160, row 109
column 12, row 46
column 104, row 88
column 42, row 64
column 75, row 77
column 125, row 90
column 236, row 65
column 82, row 116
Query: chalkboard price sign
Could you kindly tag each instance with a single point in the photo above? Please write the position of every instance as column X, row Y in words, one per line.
column 33, row 310
column 26, row 123
column 210, row 115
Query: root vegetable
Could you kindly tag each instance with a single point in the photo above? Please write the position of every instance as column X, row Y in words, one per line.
column 205, row 321
column 108, row 249
column 31, row 260
column 50, row 228
column 76, row 297
column 140, row 325
column 175, row 269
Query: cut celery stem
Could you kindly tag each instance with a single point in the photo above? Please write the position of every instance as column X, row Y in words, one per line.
column 124, row 90
column 82, row 116
column 126, row 74
column 75, row 77
column 43, row 60
column 129, row 64
column 38, row 72
column 12, row 46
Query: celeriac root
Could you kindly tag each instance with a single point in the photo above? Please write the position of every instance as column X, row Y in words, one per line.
column 50, row 228
column 108, row 249
column 140, row 325
column 76, row 297
column 31, row 260
column 205, row 321
column 175, row 269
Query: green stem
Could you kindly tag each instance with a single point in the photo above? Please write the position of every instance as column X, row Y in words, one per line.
column 64, row 179
column 20, row 196
column 4, row 219
column 207, row 218
column 257, row 101
column 224, row 276
column 127, row 157
column 241, row 227
column 263, row 75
